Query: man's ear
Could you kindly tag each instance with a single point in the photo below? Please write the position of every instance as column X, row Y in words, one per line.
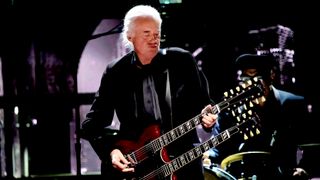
column 129, row 36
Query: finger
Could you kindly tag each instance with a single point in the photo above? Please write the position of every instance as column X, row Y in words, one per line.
column 128, row 170
column 205, row 123
column 213, row 117
column 209, row 120
column 124, row 160
column 206, row 109
column 118, row 165
column 116, row 162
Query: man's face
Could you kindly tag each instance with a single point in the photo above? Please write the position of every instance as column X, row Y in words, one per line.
column 146, row 36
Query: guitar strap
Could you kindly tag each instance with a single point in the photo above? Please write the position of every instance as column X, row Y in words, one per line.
column 168, row 89
column 168, row 96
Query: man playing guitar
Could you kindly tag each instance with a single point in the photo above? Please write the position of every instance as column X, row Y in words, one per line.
column 152, row 91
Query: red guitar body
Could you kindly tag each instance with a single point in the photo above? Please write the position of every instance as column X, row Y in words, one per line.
column 149, row 161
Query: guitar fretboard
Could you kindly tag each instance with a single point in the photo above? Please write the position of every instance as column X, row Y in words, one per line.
column 236, row 97
column 172, row 135
column 198, row 151
column 177, row 163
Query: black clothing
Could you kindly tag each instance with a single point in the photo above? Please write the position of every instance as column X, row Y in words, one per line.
column 279, row 135
column 168, row 92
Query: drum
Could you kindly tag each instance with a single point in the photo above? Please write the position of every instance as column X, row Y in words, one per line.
column 249, row 165
column 308, row 158
column 215, row 173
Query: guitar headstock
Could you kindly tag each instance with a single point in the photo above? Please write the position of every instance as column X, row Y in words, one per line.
column 254, row 82
column 247, row 92
column 246, row 106
column 248, row 123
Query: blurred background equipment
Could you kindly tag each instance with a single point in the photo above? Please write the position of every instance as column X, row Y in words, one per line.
column 277, row 41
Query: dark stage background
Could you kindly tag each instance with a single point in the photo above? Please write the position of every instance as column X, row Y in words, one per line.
column 42, row 42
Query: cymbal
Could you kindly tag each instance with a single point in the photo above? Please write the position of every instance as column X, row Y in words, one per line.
column 240, row 156
column 309, row 145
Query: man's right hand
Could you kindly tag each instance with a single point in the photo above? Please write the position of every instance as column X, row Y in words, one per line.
column 120, row 162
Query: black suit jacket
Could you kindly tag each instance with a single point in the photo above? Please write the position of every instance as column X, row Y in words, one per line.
column 118, row 93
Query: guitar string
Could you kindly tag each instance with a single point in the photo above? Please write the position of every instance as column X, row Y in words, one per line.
column 212, row 142
column 149, row 147
column 154, row 145
column 141, row 152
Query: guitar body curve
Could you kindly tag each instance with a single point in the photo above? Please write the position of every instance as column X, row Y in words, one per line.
column 143, row 157
column 149, row 133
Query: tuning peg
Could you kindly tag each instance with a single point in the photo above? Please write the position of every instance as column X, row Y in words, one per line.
column 226, row 94
column 255, row 79
column 238, row 88
column 238, row 118
column 245, row 107
column 250, row 104
column 231, row 91
column 257, row 131
column 239, row 110
column 244, row 115
column 251, row 134
column 245, row 137
column 243, row 85
column 233, row 113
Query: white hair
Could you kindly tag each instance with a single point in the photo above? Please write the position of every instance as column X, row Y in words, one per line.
column 139, row 11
